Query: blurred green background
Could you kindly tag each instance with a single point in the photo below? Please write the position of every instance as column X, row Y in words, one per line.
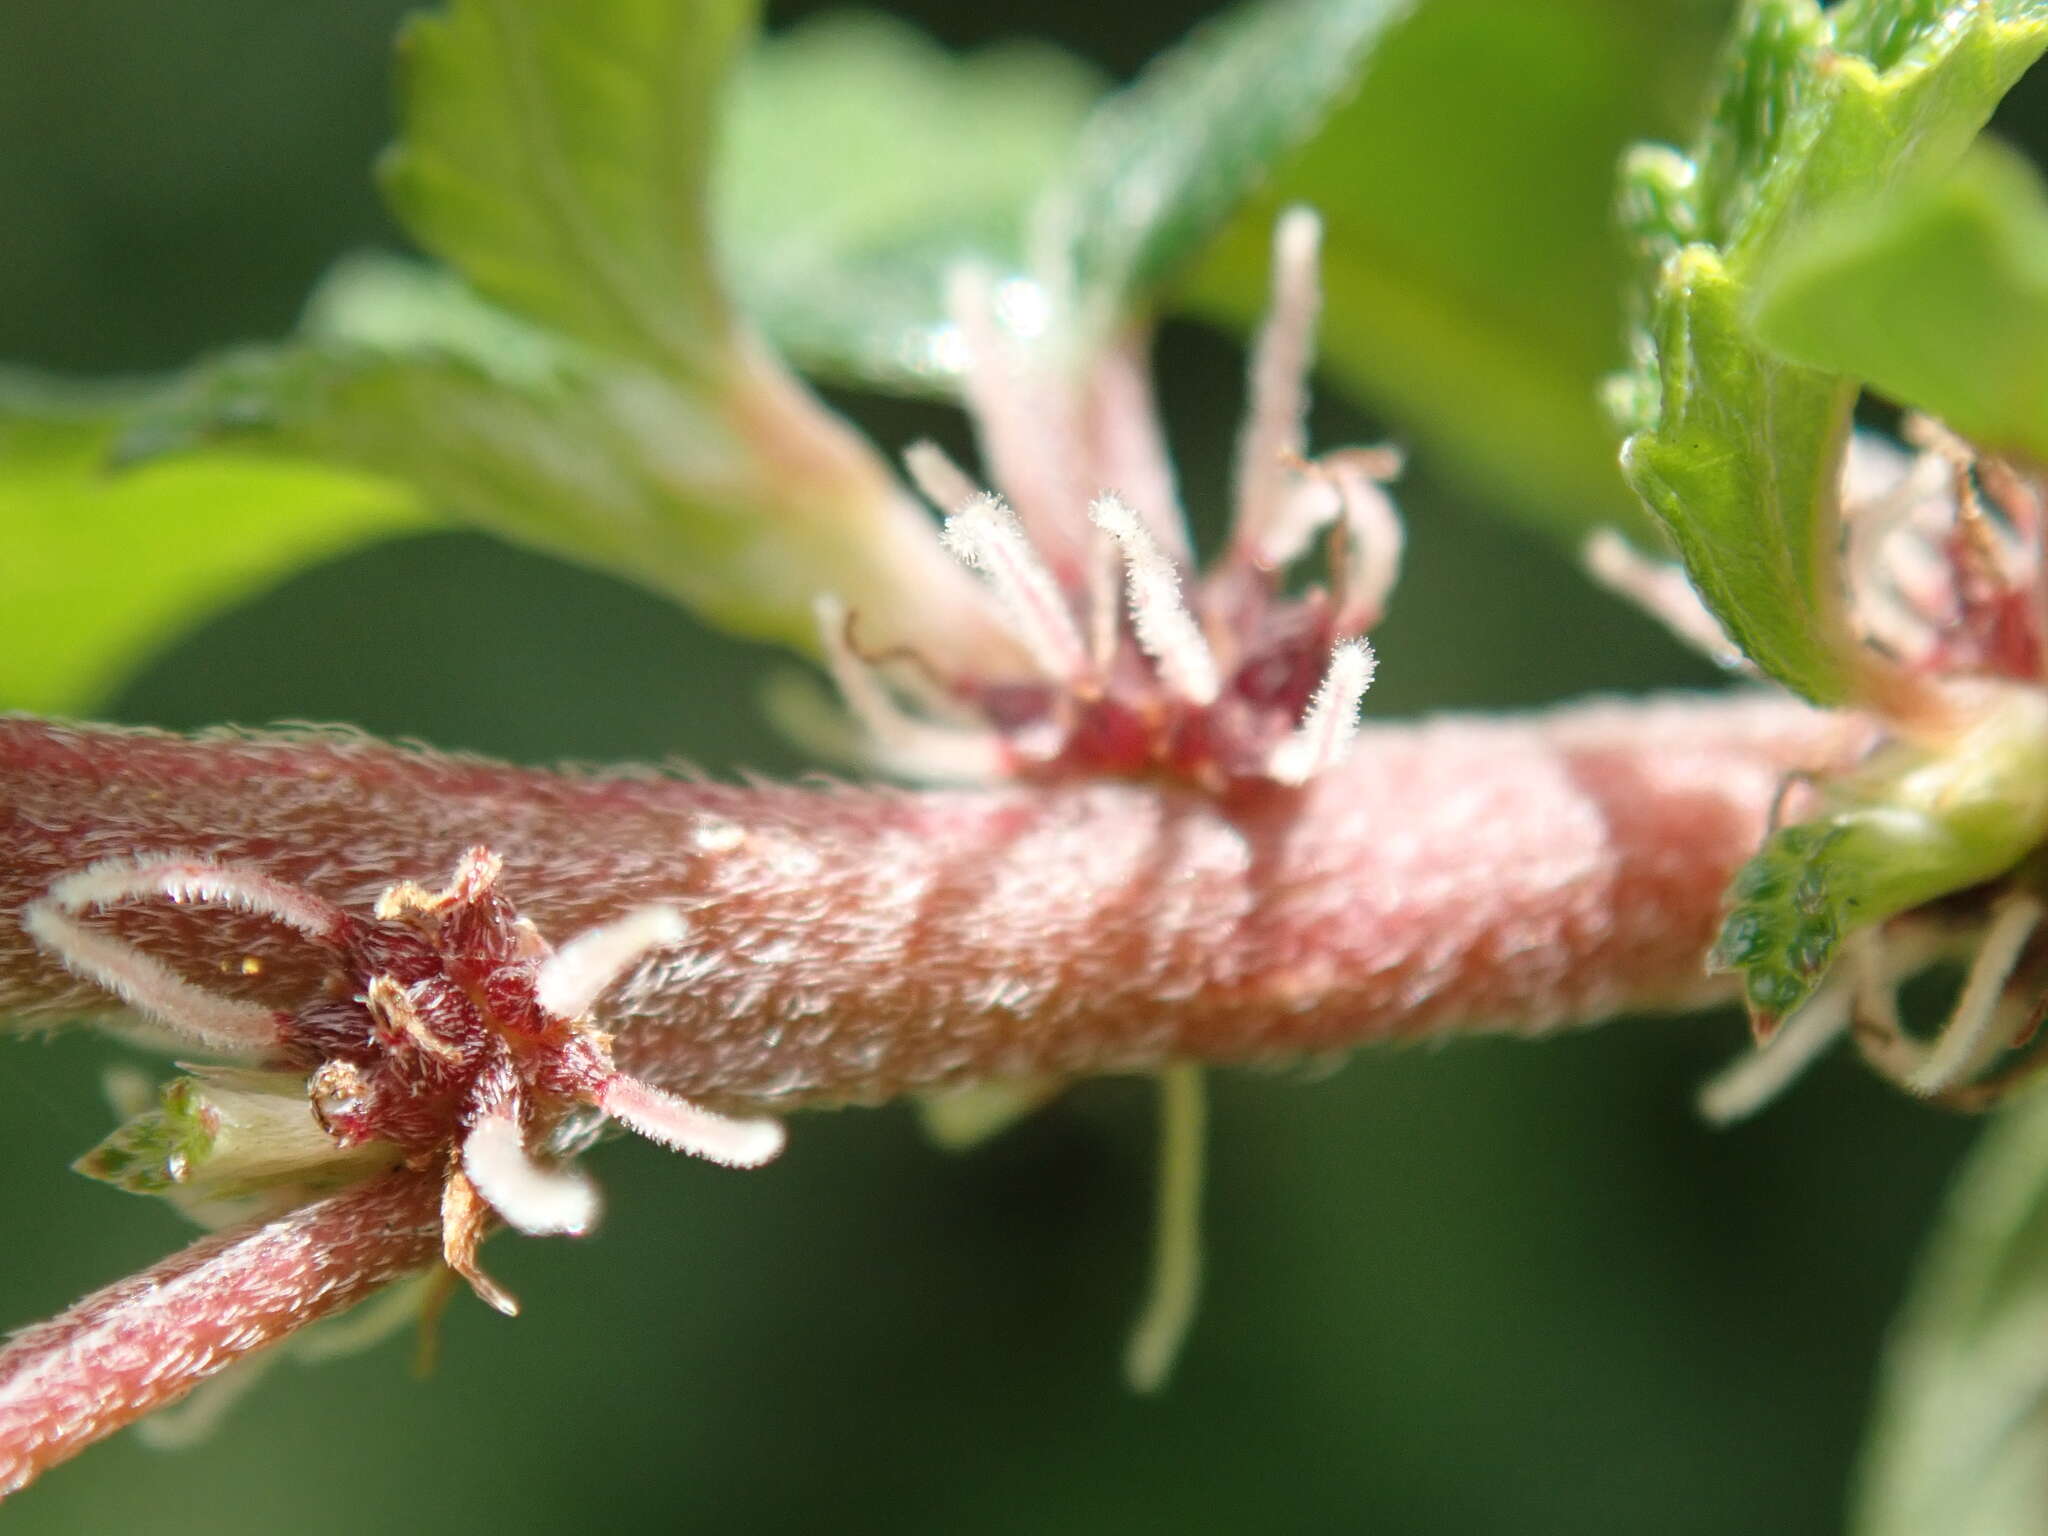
column 1482, row 1287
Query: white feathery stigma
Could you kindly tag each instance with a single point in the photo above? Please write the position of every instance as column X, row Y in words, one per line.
column 685, row 1127
column 534, row 1198
column 986, row 536
column 1328, row 729
column 1166, row 630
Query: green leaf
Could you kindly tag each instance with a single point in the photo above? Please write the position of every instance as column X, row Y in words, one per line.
column 1960, row 1434
column 1473, row 277
column 859, row 162
column 1165, row 162
column 1737, row 449
column 102, row 565
column 554, row 462
column 744, row 502
column 1938, row 296
column 558, row 157
column 1914, row 824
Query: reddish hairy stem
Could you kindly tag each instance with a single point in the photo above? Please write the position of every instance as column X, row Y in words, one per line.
column 849, row 944
column 150, row 1339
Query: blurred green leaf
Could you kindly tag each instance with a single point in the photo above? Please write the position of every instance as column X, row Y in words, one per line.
column 1735, row 448
column 558, row 157
column 1960, row 1435
column 1162, row 164
column 1957, row 269
column 103, row 566
column 376, row 303
column 1473, row 277
column 859, row 161
column 743, row 503
column 570, row 462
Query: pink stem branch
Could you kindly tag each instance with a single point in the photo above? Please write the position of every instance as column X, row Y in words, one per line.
column 851, row 944
column 150, row 1339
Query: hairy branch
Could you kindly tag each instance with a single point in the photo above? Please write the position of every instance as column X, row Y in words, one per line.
column 851, row 944
column 833, row 944
column 148, row 1340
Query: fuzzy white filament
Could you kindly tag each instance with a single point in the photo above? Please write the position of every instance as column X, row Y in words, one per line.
column 1129, row 446
column 1899, row 512
column 1025, row 421
column 1273, row 434
column 681, row 1125
column 1756, row 1077
column 188, row 880
column 986, row 537
column 938, row 479
column 1307, row 507
column 1970, row 1035
column 1327, row 729
column 221, row 1023
column 573, row 977
column 1166, row 630
column 1373, row 543
column 533, row 1198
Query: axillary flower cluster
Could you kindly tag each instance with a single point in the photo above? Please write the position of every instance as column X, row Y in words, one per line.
column 1128, row 664
column 1926, row 851
column 448, row 1034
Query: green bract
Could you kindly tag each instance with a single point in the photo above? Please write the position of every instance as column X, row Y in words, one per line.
column 1736, row 447
column 226, row 1134
column 1913, row 824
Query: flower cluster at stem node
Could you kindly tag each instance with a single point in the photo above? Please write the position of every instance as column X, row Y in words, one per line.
column 1127, row 661
column 449, row 1033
